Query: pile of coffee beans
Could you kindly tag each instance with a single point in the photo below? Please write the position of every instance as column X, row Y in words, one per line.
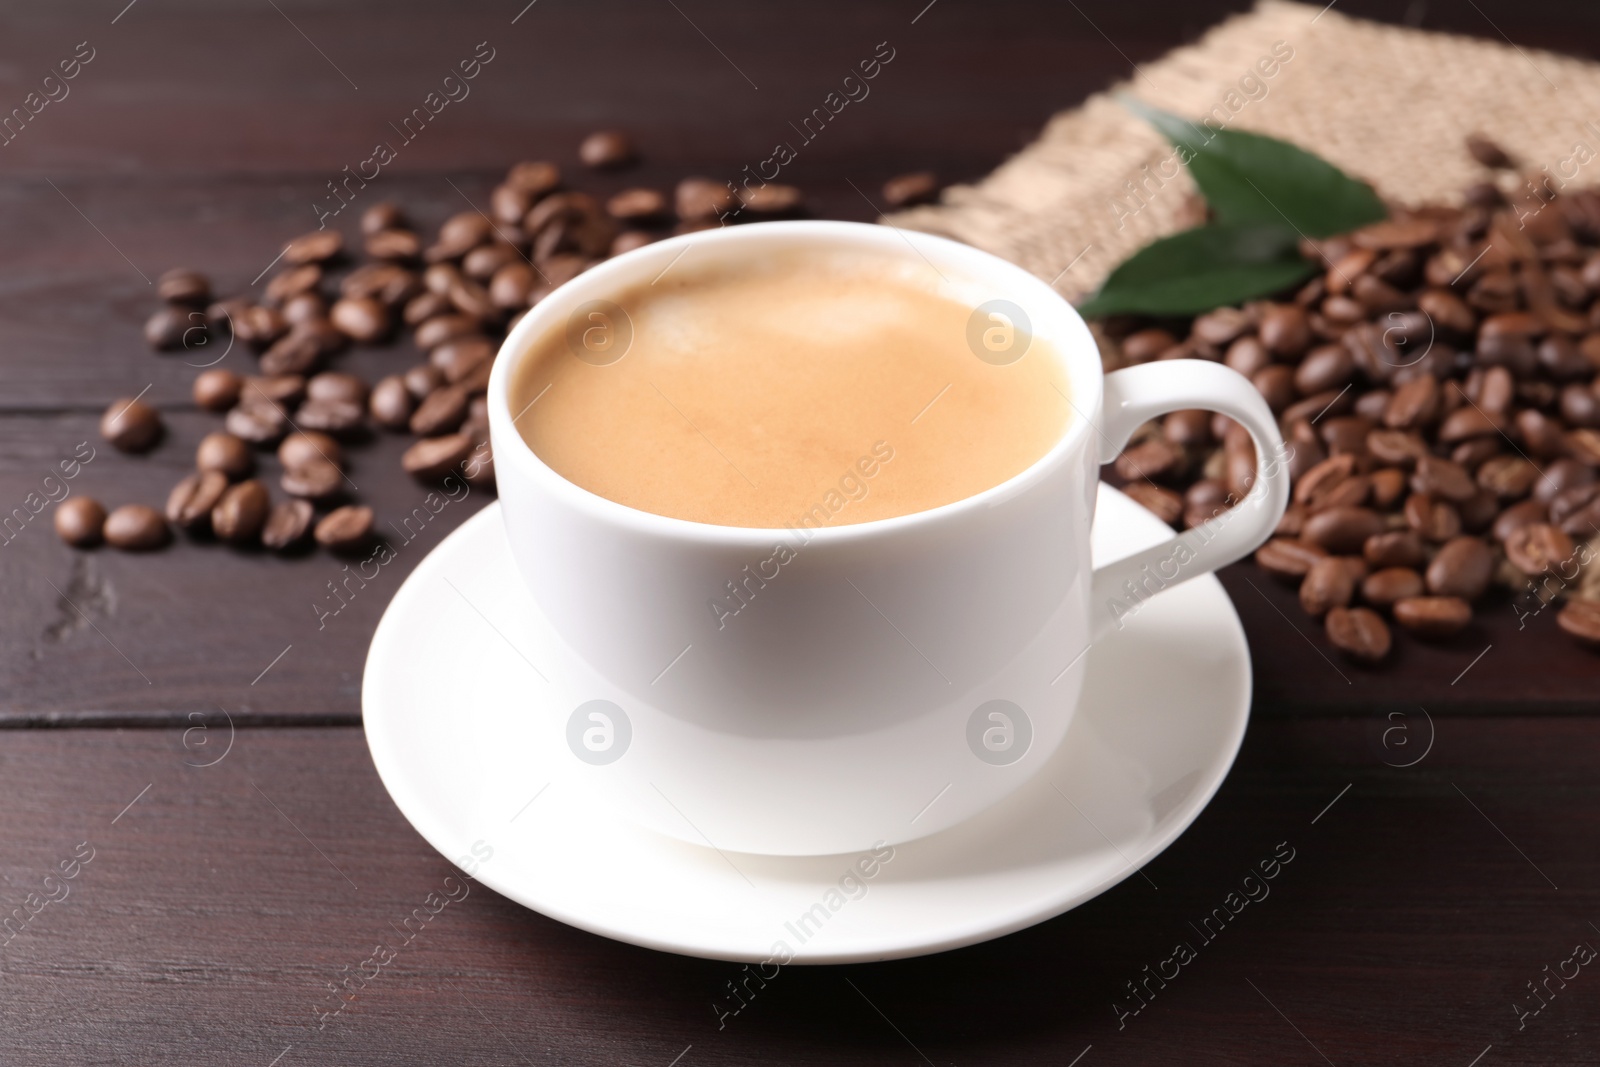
column 458, row 295
column 1438, row 383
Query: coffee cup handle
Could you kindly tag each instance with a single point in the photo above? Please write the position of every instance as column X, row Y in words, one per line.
column 1135, row 395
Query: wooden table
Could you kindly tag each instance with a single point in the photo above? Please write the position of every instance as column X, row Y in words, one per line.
column 221, row 901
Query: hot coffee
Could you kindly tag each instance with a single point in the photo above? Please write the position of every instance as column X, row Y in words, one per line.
column 815, row 389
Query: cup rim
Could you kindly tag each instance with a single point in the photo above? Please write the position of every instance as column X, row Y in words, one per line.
column 1074, row 343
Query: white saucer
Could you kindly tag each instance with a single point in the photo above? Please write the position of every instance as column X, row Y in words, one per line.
column 457, row 718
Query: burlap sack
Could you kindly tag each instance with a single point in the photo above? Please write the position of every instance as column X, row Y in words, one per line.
column 1388, row 104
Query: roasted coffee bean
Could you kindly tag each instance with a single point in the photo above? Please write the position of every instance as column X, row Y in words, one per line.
column 287, row 525
column 1396, row 447
column 131, row 425
column 191, row 500
column 534, row 178
column 606, row 150
column 346, row 529
column 424, row 306
column 80, row 521
column 1346, row 435
column 441, row 328
column 703, row 199
column 472, row 299
column 1413, row 404
column 772, row 198
column 1190, row 427
column 260, row 422
column 1359, row 632
column 167, row 328
column 1315, row 486
column 434, row 457
column 1383, row 587
column 637, row 205
column 281, row 287
column 439, row 278
column 1523, row 513
column 1573, row 501
column 1462, row 567
column 278, row 389
column 1276, row 385
column 304, row 307
column 1579, row 405
column 1447, row 311
column 1325, row 367
column 315, row 479
column 135, row 528
column 242, row 511
column 1433, row 616
column 476, row 381
column 1247, row 355
column 1584, row 446
column 217, row 389
column 1581, row 619
column 187, row 287
column 1142, row 346
column 295, row 353
column 1163, row 503
column 1388, row 487
column 225, row 453
column 314, row 247
column 1508, row 477
column 341, row 418
column 1435, row 520
column 1285, row 557
column 362, row 319
column 1474, row 453
column 1562, row 360
column 513, row 285
column 421, row 380
column 1442, row 478
column 310, row 446
column 482, row 262
column 1343, row 530
column 1318, row 405
column 1290, row 524
column 391, row 403
column 1465, row 423
column 1561, row 475
column 907, row 190
column 508, row 204
column 457, row 359
column 336, row 385
column 1536, row 547
column 460, row 234
column 396, row 245
column 387, row 282
column 381, row 216
column 1394, row 548
column 1223, row 326
column 1285, row 330
column 441, row 412
column 1328, row 584
column 259, row 325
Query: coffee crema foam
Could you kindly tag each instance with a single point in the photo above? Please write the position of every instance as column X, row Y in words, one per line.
column 802, row 389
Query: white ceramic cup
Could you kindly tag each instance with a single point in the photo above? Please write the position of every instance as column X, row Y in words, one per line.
column 888, row 679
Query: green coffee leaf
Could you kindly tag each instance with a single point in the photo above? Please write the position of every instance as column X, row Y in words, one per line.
column 1247, row 178
column 1201, row 269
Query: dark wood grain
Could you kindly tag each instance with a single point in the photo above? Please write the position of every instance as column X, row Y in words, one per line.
column 217, row 909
